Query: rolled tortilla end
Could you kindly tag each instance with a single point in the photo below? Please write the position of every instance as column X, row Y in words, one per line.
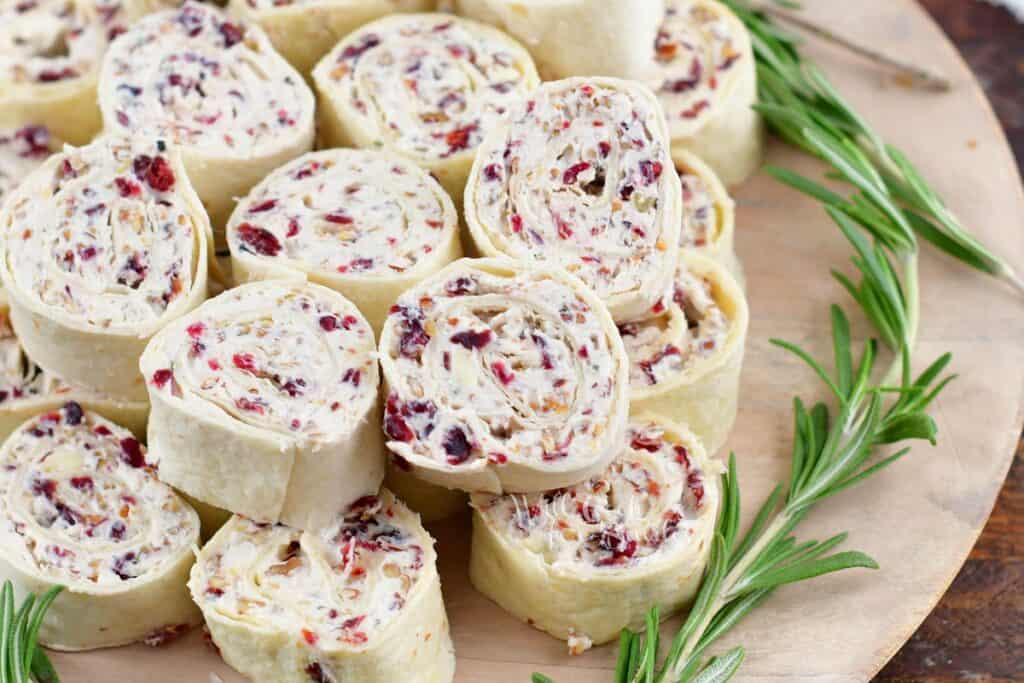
column 83, row 509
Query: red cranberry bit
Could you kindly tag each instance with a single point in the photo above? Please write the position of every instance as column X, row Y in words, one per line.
column 328, row 323
column 44, row 487
column 626, row 192
column 605, row 148
column 88, row 253
column 696, row 484
column 232, row 33
column 352, row 376
column 293, row 227
column 195, row 330
column 127, row 188
column 460, row 286
column 249, row 405
column 492, row 172
column 349, row 321
column 650, row 171
column 458, row 139
column 614, row 541
column 309, row 636
column 414, row 337
column 156, row 172
column 161, row 377
column 682, row 456
column 265, row 205
column 36, row 140
column 395, row 425
column 117, row 530
column 73, row 413
column 339, row 218
column 682, row 85
column 457, row 446
column 102, row 430
column 517, row 222
column 82, row 483
column 471, row 339
column 258, row 240
column 641, row 442
column 572, row 173
column 316, row 673
column 353, row 51
column 501, row 371
column 564, row 231
column 245, row 362
column 54, row 75
column 119, row 566
column 694, row 111
column 497, row 458
column 131, row 452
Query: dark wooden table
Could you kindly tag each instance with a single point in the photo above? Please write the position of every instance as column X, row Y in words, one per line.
column 976, row 633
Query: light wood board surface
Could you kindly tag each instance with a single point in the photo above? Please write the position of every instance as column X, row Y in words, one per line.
column 920, row 518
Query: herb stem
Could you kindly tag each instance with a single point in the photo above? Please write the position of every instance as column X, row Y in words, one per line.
column 912, row 307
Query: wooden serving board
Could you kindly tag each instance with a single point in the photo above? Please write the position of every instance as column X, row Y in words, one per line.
column 920, row 518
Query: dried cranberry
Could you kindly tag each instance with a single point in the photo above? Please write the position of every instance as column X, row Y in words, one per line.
column 650, row 171
column 614, row 541
column 245, row 362
column 682, row 456
column 645, row 443
column 44, row 487
column 127, row 188
column 460, row 286
column 681, row 85
column 54, row 75
column 36, row 139
column 119, row 566
column 133, row 272
column 73, row 413
column 368, row 42
column 502, row 372
column 265, row 205
column 517, row 222
column 605, row 148
column 458, row 139
column 352, row 376
column 457, row 446
column 161, row 377
column 131, row 452
column 328, row 323
column 472, row 339
column 492, row 172
column 117, row 530
column 338, row 218
column 397, row 428
column 626, row 192
column 696, row 485
column 572, row 173
column 155, row 171
column 82, row 483
column 232, row 33
column 88, row 253
column 249, row 405
column 259, row 240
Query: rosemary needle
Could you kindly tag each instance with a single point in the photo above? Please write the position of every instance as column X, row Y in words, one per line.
column 21, row 658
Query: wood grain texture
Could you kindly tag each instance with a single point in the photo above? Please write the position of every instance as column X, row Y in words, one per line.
column 976, row 633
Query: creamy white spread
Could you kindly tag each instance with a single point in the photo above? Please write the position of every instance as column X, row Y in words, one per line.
column 580, row 179
column 644, row 505
column 684, row 327
column 104, row 235
column 507, row 368
column 294, row 359
column 22, row 150
column 81, row 503
column 54, row 41
column 701, row 213
column 697, row 49
column 335, row 589
column 193, row 76
column 429, row 86
column 345, row 212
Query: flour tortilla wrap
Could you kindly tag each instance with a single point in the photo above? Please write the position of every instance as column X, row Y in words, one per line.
column 83, row 508
column 215, row 87
column 502, row 377
column 264, row 403
column 687, row 353
column 577, row 37
column 580, row 177
column 365, row 223
column 103, row 246
column 50, row 56
column 358, row 601
column 583, row 563
column 706, row 81
column 427, row 86
column 303, row 31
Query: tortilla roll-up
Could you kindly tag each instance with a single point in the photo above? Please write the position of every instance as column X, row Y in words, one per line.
column 580, row 177
column 83, row 508
column 303, row 31
column 216, row 88
column 503, row 377
column 103, row 246
column 50, row 57
column 709, row 213
column 264, row 403
column 577, row 37
column 426, row 86
column 687, row 353
column 584, row 562
column 27, row 390
column 367, row 224
column 358, row 601
column 707, row 83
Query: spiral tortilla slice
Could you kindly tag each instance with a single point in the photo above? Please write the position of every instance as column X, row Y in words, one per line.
column 367, row 224
column 707, row 83
column 264, row 403
column 50, row 56
column 577, row 37
column 584, row 562
column 709, row 213
column 103, row 246
column 580, row 178
column 500, row 377
column 216, row 88
column 427, row 86
column 82, row 507
column 687, row 353
column 303, row 31
column 26, row 390
column 358, row 601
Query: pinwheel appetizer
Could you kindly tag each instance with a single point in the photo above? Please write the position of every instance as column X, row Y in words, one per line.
column 50, row 55
column 82, row 507
column 580, row 178
column 264, row 403
column 358, row 601
column 709, row 213
column 22, row 150
column 427, row 86
column 103, row 245
column 502, row 377
column 367, row 224
column 686, row 354
column 27, row 390
column 584, row 562
column 217, row 89
column 707, row 83
column 303, row 31
column 576, row 37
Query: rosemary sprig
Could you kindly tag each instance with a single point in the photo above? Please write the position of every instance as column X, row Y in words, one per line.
column 21, row 658
column 802, row 106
